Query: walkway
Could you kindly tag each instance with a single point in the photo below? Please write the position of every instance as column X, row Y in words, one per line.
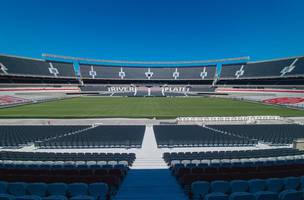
column 149, row 177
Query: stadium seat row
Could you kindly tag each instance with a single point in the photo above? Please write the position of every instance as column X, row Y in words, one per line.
column 62, row 165
column 260, row 153
column 53, row 191
column 99, row 137
column 244, row 162
column 188, row 175
column 276, row 134
column 14, row 136
column 72, row 136
column 170, row 136
column 289, row 188
column 71, row 157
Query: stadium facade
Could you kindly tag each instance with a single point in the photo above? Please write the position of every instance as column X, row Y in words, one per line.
column 277, row 71
column 151, row 80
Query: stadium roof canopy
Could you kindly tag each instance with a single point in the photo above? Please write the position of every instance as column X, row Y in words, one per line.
column 145, row 63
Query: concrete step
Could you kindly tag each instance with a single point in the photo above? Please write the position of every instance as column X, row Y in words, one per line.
column 149, row 178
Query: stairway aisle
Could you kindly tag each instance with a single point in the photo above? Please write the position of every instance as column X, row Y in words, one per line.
column 149, row 177
column 150, row 184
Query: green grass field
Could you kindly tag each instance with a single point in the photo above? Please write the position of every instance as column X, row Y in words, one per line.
column 84, row 107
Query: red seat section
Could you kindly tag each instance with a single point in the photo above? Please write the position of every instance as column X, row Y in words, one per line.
column 284, row 100
column 11, row 100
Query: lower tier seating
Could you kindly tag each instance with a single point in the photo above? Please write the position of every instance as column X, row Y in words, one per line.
column 51, row 156
column 187, row 175
column 106, row 136
column 224, row 155
column 276, row 134
column 287, row 188
column 113, row 176
column 168, row 136
column 14, row 136
column 53, row 191
column 110, row 168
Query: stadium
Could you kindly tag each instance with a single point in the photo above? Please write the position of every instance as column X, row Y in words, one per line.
column 76, row 128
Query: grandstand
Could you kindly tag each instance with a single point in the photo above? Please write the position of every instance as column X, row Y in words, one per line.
column 211, row 130
column 286, row 71
column 25, row 70
column 107, row 79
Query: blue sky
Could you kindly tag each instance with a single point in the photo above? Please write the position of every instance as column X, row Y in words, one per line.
column 158, row 30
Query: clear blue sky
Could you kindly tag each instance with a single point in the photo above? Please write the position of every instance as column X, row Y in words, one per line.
column 153, row 30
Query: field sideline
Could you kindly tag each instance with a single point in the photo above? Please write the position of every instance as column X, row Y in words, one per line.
column 92, row 107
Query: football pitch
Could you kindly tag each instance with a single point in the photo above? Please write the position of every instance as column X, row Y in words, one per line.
column 141, row 107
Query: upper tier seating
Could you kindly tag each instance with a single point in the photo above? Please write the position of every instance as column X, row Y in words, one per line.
column 287, row 71
column 276, row 134
column 100, row 136
column 14, row 136
column 145, row 73
column 287, row 188
column 192, row 135
column 290, row 67
column 244, row 154
column 15, row 66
